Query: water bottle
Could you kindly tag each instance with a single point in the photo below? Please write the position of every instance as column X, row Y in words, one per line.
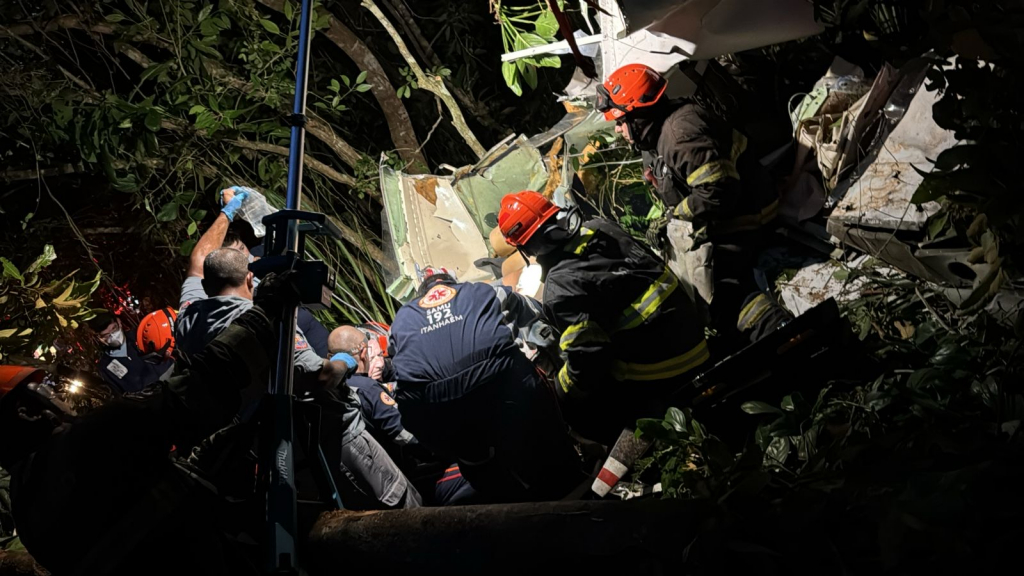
column 253, row 209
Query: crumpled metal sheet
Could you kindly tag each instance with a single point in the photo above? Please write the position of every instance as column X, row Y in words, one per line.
column 878, row 194
column 428, row 225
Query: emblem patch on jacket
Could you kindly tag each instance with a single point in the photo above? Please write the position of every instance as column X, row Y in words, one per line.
column 438, row 295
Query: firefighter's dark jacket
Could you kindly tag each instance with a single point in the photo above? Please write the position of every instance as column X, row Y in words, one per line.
column 703, row 171
column 622, row 315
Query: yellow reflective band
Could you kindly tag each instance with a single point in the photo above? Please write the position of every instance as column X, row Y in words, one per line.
column 752, row 312
column 683, row 210
column 580, row 244
column 663, row 370
column 582, row 333
column 644, row 306
column 563, row 379
column 568, row 385
column 712, row 172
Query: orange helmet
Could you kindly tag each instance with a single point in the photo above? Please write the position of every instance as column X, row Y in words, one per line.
column 11, row 376
column 631, row 86
column 155, row 335
column 522, row 214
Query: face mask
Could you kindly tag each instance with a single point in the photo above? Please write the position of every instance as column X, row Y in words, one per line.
column 115, row 339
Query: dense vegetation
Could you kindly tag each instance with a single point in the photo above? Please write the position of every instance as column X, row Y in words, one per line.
column 120, row 119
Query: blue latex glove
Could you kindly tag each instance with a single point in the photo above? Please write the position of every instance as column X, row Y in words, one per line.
column 241, row 193
column 346, row 358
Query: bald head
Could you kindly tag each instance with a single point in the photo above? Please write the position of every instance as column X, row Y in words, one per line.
column 346, row 339
column 350, row 340
column 226, row 273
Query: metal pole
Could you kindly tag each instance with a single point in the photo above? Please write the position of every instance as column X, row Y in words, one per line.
column 279, row 454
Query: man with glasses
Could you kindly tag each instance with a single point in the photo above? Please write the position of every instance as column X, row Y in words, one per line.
column 123, row 366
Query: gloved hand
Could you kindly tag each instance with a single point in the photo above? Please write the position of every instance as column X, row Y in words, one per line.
column 347, row 360
column 231, row 199
column 656, row 231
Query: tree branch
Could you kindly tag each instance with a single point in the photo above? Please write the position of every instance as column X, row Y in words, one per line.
column 432, row 84
column 75, row 79
column 32, row 173
column 478, row 109
column 310, row 162
column 403, row 135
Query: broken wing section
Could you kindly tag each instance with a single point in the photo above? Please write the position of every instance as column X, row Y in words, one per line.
column 428, row 225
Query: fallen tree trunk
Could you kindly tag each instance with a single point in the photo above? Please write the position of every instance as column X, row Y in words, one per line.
column 636, row 537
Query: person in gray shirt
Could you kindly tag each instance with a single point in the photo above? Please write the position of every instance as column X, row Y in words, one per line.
column 219, row 289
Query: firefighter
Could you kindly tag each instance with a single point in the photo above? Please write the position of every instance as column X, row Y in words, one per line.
column 98, row 494
column 718, row 199
column 470, row 395
column 155, row 338
column 629, row 334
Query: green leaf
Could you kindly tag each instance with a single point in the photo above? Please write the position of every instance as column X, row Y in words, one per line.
column 198, row 108
column 192, row 227
column 676, row 418
column 335, row 85
column 44, row 259
column 529, row 40
column 363, row 87
column 787, row 404
column 346, row 80
column 937, row 224
column 186, row 247
column 547, row 61
column 8, row 333
column 114, row 18
column 509, row 73
column 289, row 10
column 270, row 27
column 168, row 213
column 153, row 119
column 204, row 13
column 65, row 294
column 778, row 450
column 361, row 77
column 10, row 270
column 530, row 75
column 546, row 25
column 759, row 408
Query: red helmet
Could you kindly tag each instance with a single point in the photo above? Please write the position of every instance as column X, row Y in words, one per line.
column 631, row 86
column 522, row 214
column 378, row 331
column 155, row 335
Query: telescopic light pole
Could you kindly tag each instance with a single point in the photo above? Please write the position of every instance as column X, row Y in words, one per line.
column 278, row 453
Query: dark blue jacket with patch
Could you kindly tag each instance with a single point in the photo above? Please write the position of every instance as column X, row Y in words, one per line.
column 457, row 337
column 130, row 373
column 380, row 411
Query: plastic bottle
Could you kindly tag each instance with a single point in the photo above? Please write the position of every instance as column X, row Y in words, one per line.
column 253, row 209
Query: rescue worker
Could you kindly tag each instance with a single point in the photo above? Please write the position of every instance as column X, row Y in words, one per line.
column 374, row 478
column 629, row 334
column 155, row 338
column 123, row 366
column 719, row 200
column 378, row 406
column 90, row 499
column 468, row 393
column 380, row 411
